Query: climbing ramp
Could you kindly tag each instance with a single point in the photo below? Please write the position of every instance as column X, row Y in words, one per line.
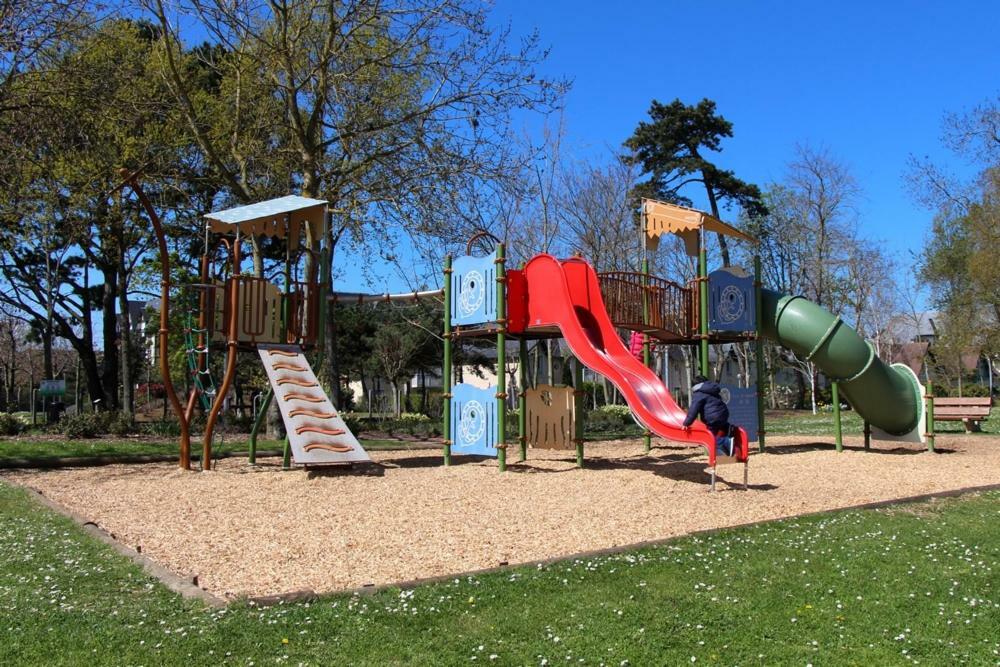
column 316, row 432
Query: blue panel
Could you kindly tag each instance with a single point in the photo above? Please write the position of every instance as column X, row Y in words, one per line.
column 731, row 303
column 473, row 420
column 742, row 404
column 474, row 290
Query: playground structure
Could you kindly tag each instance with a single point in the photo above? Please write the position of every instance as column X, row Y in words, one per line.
column 546, row 298
column 550, row 298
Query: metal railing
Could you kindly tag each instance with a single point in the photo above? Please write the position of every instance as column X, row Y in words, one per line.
column 670, row 306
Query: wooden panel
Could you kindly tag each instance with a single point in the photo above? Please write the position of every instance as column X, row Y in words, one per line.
column 550, row 416
column 972, row 400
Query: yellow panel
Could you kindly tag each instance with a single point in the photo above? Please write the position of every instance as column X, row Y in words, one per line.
column 663, row 218
column 550, row 415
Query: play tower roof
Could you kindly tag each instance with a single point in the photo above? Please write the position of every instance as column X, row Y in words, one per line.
column 279, row 218
column 662, row 218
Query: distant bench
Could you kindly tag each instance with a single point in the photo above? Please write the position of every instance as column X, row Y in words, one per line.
column 969, row 411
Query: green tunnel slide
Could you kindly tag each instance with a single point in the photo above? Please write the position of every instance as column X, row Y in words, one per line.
column 886, row 396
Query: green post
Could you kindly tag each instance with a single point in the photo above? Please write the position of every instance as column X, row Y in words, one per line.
column 837, row 432
column 703, row 304
column 929, row 407
column 646, row 355
column 578, row 409
column 325, row 287
column 258, row 420
column 868, row 435
column 446, row 370
column 522, row 399
column 759, row 353
column 501, row 359
column 286, row 460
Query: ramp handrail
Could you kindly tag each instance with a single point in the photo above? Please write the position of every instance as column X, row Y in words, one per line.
column 670, row 305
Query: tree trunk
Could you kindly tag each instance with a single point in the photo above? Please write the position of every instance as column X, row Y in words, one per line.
column 125, row 347
column 723, row 243
column 109, row 379
column 812, row 385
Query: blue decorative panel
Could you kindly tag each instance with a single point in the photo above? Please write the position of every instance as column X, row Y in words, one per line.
column 742, row 404
column 473, row 420
column 731, row 301
column 474, row 290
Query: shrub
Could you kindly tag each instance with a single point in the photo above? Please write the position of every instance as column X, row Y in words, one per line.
column 354, row 425
column 413, row 421
column 120, row 424
column 975, row 390
column 10, row 424
column 85, row 425
column 609, row 418
column 163, row 428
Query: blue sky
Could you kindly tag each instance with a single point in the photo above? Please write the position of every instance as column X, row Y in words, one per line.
column 869, row 81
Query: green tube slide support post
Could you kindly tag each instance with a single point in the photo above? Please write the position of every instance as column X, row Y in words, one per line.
column 578, row 409
column 646, row 355
column 501, row 359
column 286, row 458
column 888, row 397
column 522, row 398
column 446, row 370
column 759, row 353
column 838, row 432
column 929, row 410
column 257, row 422
column 702, row 306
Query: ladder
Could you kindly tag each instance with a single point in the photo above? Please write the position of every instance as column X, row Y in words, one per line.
column 201, row 376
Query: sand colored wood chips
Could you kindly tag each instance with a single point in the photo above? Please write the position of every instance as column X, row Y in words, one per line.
column 259, row 531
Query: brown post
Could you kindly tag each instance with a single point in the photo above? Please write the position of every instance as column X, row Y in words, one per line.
column 227, row 379
column 185, row 450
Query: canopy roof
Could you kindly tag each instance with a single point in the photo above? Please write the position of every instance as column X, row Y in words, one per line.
column 280, row 218
column 662, row 218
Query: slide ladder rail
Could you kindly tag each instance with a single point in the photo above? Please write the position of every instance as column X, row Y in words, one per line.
column 670, row 305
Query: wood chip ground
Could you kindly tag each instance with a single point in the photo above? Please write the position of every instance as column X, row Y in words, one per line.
column 254, row 531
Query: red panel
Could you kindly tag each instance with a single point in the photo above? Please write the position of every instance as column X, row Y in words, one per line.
column 517, row 301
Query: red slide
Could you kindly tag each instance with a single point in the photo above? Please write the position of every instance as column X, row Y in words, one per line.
column 566, row 294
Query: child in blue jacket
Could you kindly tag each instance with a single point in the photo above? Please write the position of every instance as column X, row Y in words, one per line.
column 707, row 405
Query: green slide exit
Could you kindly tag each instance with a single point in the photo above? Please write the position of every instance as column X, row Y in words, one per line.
column 888, row 397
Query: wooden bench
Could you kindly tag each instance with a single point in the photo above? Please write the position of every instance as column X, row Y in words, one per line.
column 969, row 411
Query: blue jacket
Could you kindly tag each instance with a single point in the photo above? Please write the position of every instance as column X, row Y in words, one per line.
column 706, row 403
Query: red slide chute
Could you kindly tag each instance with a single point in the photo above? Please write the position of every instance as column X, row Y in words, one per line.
column 566, row 294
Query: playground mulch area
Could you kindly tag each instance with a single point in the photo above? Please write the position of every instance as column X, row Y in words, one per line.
column 255, row 531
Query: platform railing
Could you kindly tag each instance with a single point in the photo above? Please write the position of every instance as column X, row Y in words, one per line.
column 671, row 309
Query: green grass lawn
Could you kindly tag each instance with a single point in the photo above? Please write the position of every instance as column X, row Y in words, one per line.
column 803, row 422
column 917, row 584
column 35, row 448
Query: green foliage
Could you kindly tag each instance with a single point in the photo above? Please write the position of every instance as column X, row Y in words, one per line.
column 120, row 425
column 10, row 424
column 670, row 148
column 83, row 425
column 609, row 418
column 355, row 425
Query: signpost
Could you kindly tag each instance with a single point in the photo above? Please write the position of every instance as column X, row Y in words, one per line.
column 52, row 388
